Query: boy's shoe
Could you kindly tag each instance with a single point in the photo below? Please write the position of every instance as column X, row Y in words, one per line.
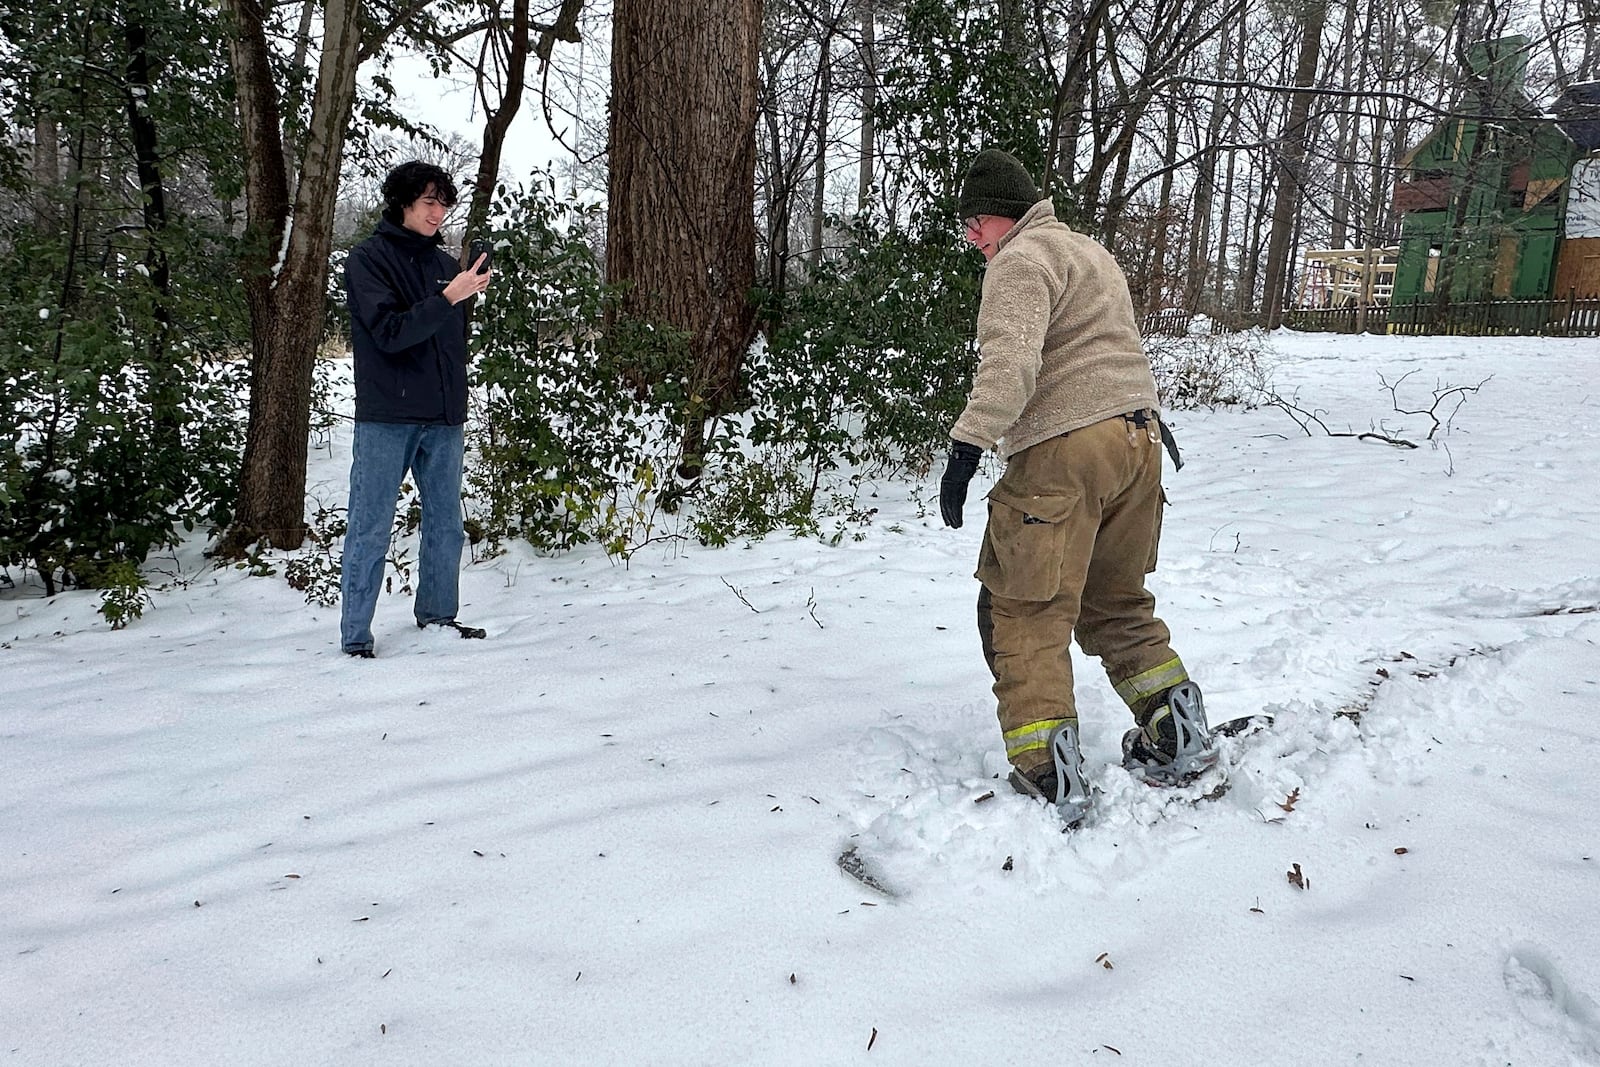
column 1061, row 781
column 464, row 631
column 1174, row 745
column 361, row 653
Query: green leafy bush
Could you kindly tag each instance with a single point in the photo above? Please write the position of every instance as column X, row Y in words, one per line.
column 123, row 422
column 566, row 449
column 125, row 593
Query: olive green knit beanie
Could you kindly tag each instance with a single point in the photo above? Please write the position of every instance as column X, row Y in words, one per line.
column 996, row 184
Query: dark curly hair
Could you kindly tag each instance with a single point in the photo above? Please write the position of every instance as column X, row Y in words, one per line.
column 405, row 185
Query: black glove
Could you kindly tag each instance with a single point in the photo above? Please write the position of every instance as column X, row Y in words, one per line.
column 953, row 486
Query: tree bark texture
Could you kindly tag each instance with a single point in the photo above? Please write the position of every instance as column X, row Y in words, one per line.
column 46, row 169
column 869, row 102
column 681, row 226
column 285, row 280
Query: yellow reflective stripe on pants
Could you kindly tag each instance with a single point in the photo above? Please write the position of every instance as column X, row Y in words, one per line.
column 1032, row 736
column 1148, row 683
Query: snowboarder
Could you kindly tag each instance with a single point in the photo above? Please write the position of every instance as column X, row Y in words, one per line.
column 1065, row 394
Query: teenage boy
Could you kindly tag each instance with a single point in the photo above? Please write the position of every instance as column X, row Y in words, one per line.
column 408, row 332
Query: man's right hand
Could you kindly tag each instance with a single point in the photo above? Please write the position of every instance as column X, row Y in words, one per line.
column 468, row 283
column 958, row 472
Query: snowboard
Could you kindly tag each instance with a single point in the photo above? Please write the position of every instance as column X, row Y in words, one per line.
column 853, row 863
column 1244, row 725
column 1215, row 780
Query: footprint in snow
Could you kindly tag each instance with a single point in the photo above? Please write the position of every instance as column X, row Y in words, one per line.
column 1544, row 998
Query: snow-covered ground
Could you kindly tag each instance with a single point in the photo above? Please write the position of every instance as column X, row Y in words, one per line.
column 607, row 833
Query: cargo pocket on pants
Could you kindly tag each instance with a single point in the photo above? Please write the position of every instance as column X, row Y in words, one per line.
column 1024, row 544
column 1155, row 534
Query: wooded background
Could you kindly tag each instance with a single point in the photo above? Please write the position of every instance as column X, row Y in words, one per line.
column 178, row 179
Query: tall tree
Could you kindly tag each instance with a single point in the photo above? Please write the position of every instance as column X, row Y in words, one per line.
column 820, row 166
column 286, row 271
column 681, row 225
column 867, row 49
column 1288, row 178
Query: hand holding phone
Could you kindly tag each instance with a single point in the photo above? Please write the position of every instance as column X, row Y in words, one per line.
column 474, row 278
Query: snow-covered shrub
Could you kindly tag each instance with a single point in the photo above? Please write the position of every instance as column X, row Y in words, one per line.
column 872, row 360
column 1210, row 370
column 121, row 406
column 566, row 448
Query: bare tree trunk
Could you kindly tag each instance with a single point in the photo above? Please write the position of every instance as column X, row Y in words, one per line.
column 1288, row 177
column 1160, row 278
column 167, row 391
column 869, row 102
column 1343, row 185
column 1224, row 230
column 1205, row 190
column 681, row 226
column 46, row 169
column 820, row 170
column 509, row 48
column 1013, row 27
column 147, row 160
column 286, row 273
column 1067, row 110
column 302, row 49
column 777, row 188
column 1380, row 171
column 1252, row 253
column 1094, row 174
column 1121, row 151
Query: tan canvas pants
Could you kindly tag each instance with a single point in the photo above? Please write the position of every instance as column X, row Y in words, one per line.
column 1074, row 524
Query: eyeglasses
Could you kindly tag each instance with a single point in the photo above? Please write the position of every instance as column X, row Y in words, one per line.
column 973, row 223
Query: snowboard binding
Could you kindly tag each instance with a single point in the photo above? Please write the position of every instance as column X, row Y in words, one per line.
column 1062, row 782
column 1174, row 745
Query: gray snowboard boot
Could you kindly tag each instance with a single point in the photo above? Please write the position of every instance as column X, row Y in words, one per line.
column 1174, row 745
column 1061, row 781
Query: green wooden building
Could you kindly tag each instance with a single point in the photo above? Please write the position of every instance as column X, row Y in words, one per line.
column 1482, row 201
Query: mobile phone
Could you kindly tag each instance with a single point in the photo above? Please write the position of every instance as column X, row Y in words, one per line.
column 480, row 247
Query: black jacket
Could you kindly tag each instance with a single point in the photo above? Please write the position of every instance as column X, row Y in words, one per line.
column 410, row 343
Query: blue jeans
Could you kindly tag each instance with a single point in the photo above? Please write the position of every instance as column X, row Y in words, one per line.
column 382, row 453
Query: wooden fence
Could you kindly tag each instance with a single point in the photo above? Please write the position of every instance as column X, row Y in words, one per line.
column 1168, row 322
column 1568, row 316
column 1338, row 320
column 1564, row 317
column 1176, row 322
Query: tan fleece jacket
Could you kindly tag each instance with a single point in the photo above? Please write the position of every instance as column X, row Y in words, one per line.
column 1058, row 348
